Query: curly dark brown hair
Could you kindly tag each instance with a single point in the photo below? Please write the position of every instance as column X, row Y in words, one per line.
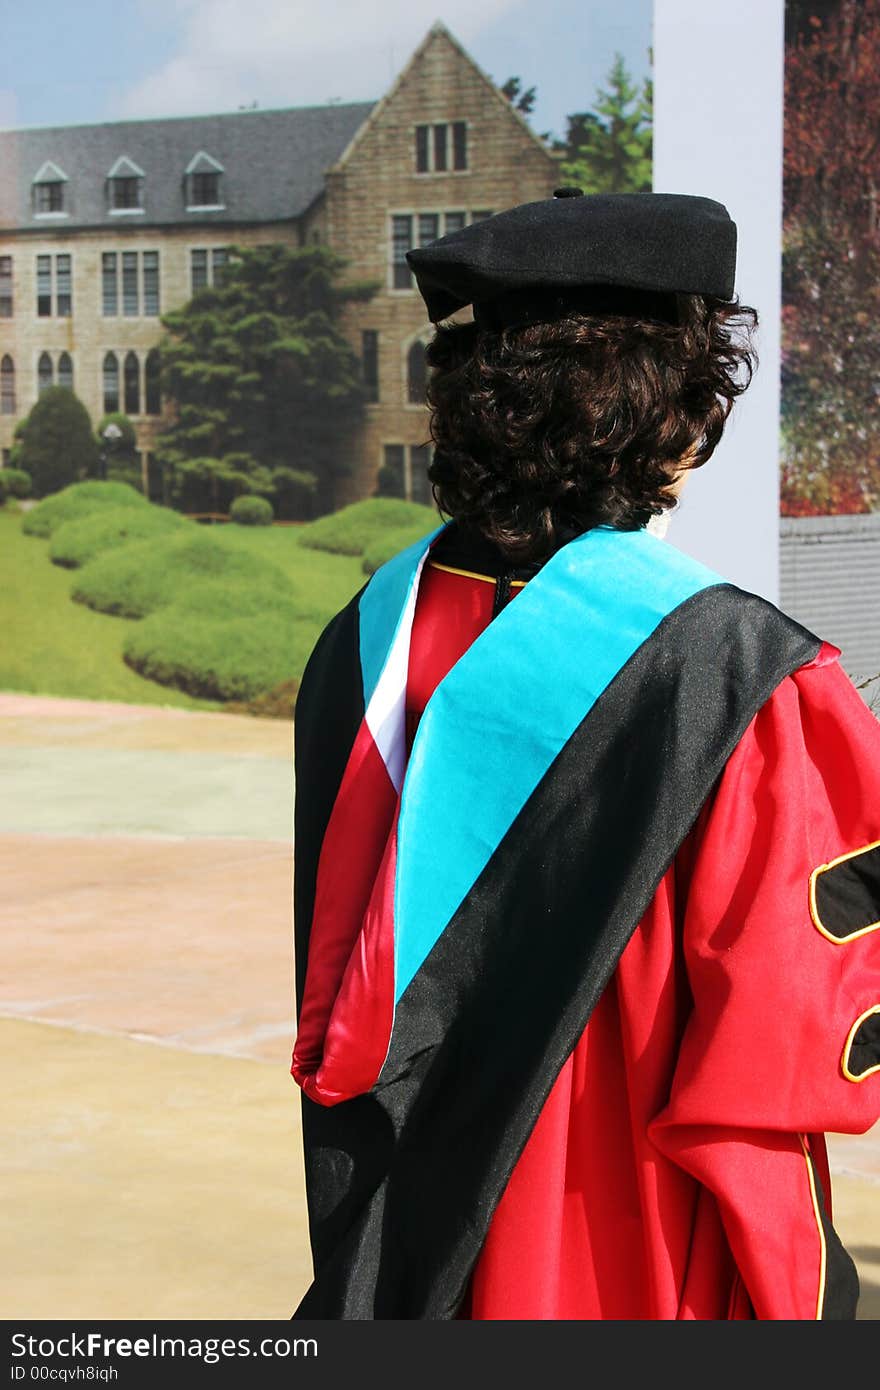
column 546, row 429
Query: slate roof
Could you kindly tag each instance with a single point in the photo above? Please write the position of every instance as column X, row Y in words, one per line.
column 273, row 161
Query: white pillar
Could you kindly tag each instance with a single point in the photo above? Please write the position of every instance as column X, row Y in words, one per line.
column 718, row 109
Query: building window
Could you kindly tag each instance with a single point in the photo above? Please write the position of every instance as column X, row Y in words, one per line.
column 370, row 362
column 125, row 187
column 429, row 226
column 140, row 283
column 111, row 383
column 206, row 265
column 45, row 372
column 7, row 458
column 130, row 297
column 423, row 148
column 441, row 147
column 459, row 145
column 131, row 380
column 416, row 374
column 48, row 193
column 49, row 197
column 5, row 287
column 126, row 192
column 420, row 462
column 62, row 286
column 393, row 482
column 7, row 385
column 198, row 270
column 405, row 472
column 65, row 370
column 109, row 287
column 153, row 402
column 63, row 303
column 401, row 241
column 204, row 190
column 44, row 286
column 203, row 182
column 150, row 261
column 480, row 216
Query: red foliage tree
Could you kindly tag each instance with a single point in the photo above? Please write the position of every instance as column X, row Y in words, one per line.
column 831, row 263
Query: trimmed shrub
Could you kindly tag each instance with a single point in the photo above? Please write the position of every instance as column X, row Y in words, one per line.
column 58, row 446
column 16, row 481
column 137, row 579
column 351, row 530
column 78, row 500
column 221, row 659
column 77, row 542
column 218, row 599
column 251, row 511
column 277, row 703
column 386, row 546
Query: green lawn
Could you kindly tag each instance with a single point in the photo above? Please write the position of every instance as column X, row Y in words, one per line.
column 53, row 646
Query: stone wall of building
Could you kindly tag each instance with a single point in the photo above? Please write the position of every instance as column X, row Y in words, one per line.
column 376, row 180
column 87, row 334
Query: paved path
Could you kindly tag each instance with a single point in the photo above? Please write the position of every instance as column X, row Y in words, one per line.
column 152, row 1166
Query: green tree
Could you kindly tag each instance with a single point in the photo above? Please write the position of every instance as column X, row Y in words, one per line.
column 610, row 148
column 57, row 443
column 520, row 100
column 265, row 389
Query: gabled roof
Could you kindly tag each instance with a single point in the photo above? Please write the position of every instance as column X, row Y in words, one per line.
column 125, row 168
column 204, row 163
column 439, row 32
column 273, row 163
column 49, row 172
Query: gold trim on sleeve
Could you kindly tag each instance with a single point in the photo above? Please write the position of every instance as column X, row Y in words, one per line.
column 850, row 1038
column 823, row 1256
column 814, row 909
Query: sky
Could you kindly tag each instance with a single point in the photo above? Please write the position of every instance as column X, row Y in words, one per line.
column 107, row 60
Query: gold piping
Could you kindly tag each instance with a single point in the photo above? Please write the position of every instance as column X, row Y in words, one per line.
column 814, row 909
column 819, row 1227
column 469, row 574
column 844, row 1061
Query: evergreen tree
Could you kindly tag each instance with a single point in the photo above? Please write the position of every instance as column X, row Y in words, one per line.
column 521, row 100
column 57, row 443
column 265, row 388
column 609, row 149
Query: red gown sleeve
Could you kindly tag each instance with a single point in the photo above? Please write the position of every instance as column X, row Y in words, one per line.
column 781, row 939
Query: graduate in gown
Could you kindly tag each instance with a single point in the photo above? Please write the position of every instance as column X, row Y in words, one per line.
column 587, row 898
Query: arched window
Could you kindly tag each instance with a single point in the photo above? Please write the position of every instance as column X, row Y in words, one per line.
column 111, row 383
column 7, row 385
column 132, row 376
column 416, row 374
column 65, row 371
column 45, row 373
column 151, row 374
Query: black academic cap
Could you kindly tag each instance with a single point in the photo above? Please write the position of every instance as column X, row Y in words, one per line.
column 597, row 251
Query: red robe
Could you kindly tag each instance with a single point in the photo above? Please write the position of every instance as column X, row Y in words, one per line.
column 677, row 1168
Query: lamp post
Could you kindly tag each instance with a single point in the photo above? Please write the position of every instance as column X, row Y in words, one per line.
column 110, row 434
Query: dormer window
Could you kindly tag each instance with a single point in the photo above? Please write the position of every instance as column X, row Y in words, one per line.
column 125, row 187
column 49, row 196
column 203, row 184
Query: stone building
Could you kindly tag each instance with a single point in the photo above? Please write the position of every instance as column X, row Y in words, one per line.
column 104, row 227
